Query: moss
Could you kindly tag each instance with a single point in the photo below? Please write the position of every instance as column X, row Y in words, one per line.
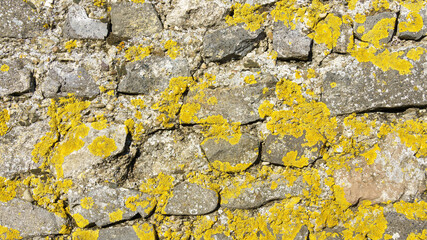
column 102, row 146
column 4, row 118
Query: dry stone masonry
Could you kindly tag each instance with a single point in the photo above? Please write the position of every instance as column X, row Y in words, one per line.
column 213, row 119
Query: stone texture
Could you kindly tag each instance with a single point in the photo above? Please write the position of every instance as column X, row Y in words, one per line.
column 18, row 20
column 82, row 159
column 79, row 25
column 153, row 72
column 358, row 88
column 229, row 43
column 18, row 79
column 28, row 219
column 16, row 147
column 63, row 79
column 343, row 41
column 406, row 19
column 191, row 199
column 291, row 44
column 106, row 201
column 371, row 22
column 275, row 148
column 127, row 233
column 245, row 152
column 400, row 227
column 130, row 20
column 395, row 174
column 218, row 236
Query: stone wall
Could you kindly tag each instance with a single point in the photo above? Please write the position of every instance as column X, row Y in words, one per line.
column 213, row 119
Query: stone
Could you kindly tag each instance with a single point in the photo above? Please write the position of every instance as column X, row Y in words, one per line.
column 365, row 31
column 15, row 78
column 63, row 79
column 93, row 151
column 395, row 174
column 218, row 236
column 344, row 40
column 16, row 147
column 191, row 199
column 400, row 227
column 406, row 28
column 19, row 20
column 136, row 232
column 103, row 205
column 276, row 148
column 28, row 219
column 78, row 25
column 291, row 44
column 350, row 86
column 195, row 13
column 241, row 155
column 151, row 74
column 230, row 43
column 130, row 19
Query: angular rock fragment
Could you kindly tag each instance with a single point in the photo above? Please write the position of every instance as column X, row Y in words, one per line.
column 103, row 205
column 291, row 44
column 229, row 43
column 376, row 29
column 78, row 25
column 19, row 20
column 29, row 220
column 16, row 147
column 399, row 225
column 63, row 79
column 15, row 78
column 412, row 24
column 191, row 199
column 130, row 19
column 237, row 156
column 152, row 73
column 344, row 39
column 98, row 145
column 289, row 151
column 136, row 232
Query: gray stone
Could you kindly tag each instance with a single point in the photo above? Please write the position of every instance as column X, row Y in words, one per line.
column 17, row 79
column 262, row 192
column 152, row 73
column 16, row 147
column 134, row 19
column 406, row 19
column 371, row 22
column 276, row 147
column 63, row 79
column 18, row 20
column 28, row 219
column 358, row 89
column 79, row 25
column 109, row 205
column 291, row 44
column 229, row 43
column 218, row 236
column 343, row 41
column 400, row 227
column 244, row 153
column 127, row 233
column 191, row 199
column 89, row 155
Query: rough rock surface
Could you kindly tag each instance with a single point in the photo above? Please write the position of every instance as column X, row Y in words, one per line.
column 291, row 44
column 399, row 226
column 406, row 30
column 344, row 39
column 21, row 215
column 80, row 26
column 191, row 199
column 18, row 20
column 17, row 79
column 128, row 233
column 385, row 21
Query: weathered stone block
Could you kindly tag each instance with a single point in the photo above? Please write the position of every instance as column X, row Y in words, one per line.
column 18, row 20
column 291, row 44
column 79, row 25
column 376, row 29
column 412, row 24
column 15, row 78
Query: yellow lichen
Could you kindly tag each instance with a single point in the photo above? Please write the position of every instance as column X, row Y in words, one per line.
column 9, row 233
column 291, row 159
column 188, row 113
column 228, row 167
column 86, row 202
column 4, row 68
column 327, row 31
column 138, row 1
column 80, row 220
column 99, row 123
column 247, row 14
column 216, row 127
column 380, row 31
column 134, row 202
column 415, row 53
column 418, row 236
column 116, row 215
column 102, row 146
column 81, row 234
column 70, row 45
column 172, row 49
column 250, row 79
column 7, row 189
column 137, row 53
column 99, row 3
column 4, row 118
column 414, row 211
column 371, row 155
column 144, row 231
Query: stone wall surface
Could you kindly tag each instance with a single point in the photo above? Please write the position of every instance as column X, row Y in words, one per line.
column 213, row 119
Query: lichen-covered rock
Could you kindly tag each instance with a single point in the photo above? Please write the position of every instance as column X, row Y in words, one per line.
column 291, row 44
column 18, row 20
column 16, row 147
column 98, row 145
column 103, row 205
column 229, row 43
column 227, row 156
column 412, row 23
column 63, row 79
column 136, row 232
column 376, row 29
column 79, row 25
column 289, row 151
column 400, row 227
column 15, row 78
column 130, row 19
column 29, row 220
column 345, row 38
column 152, row 73
column 191, row 199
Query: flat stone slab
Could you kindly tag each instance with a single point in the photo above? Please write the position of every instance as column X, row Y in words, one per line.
column 15, row 77
column 78, row 25
column 18, row 20
column 103, row 205
column 191, row 199
column 291, row 44
column 136, row 232
column 28, row 219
